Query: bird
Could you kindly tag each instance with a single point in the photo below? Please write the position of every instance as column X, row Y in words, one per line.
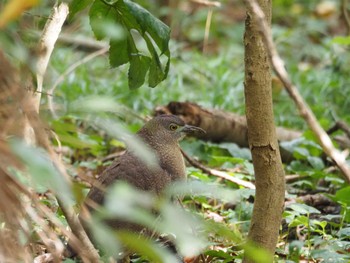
column 162, row 135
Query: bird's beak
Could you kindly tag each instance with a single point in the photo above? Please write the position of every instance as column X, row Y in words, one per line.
column 188, row 129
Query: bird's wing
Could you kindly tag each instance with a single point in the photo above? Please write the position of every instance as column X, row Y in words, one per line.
column 97, row 191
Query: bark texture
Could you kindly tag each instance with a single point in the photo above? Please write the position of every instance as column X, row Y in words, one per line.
column 269, row 174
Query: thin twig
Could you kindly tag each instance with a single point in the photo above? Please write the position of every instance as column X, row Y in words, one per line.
column 207, row 3
column 340, row 125
column 304, row 110
column 59, row 144
column 67, row 72
column 45, row 211
column 89, row 250
column 207, row 30
column 217, row 173
column 294, row 177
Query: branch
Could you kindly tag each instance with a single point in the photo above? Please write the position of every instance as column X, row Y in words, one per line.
column 304, row 110
column 46, row 44
column 340, row 125
column 88, row 251
column 207, row 3
column 217, row 173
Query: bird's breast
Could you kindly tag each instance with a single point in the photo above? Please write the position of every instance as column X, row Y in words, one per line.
column 172, row 161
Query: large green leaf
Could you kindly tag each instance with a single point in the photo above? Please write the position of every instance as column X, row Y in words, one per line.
column 156, row 73
column 139, row 66
column 118, row 53
column 100, row 14
column 77, row 5
column 343, row 195
column 148, row 23
column 155, row 33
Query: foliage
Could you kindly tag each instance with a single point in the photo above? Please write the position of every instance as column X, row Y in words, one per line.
column 130, row 17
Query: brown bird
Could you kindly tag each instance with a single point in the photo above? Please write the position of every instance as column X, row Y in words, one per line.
column 162, row 135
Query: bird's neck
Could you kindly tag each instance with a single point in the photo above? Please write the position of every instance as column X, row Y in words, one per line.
column 170, row 157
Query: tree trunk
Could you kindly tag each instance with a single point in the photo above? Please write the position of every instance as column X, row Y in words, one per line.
column 269, row 174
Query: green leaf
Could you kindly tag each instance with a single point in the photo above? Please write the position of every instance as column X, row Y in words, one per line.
column 139, row 66
column 343, row 195
column 299, row 221
column 181, row 224
column 344, row 232
column 159, row 31
column 118, row 53
column 316, row 162
column 341, row 40
column 304, row 209
column 100, row 13
column 105, row 237
column 146, row 247
column 300, row 153
column 156, row 73
column 77, row 6
column 256, row 253
column 132, row 16
column 43, row 174
column 237, row 151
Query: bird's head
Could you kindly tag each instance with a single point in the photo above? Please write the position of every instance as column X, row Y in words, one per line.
column 169, row 128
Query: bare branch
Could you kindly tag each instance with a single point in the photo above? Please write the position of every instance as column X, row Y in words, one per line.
column 207, row 3
column 217, row 173
column 304, row 109
column 340, row 125
column 46, row 44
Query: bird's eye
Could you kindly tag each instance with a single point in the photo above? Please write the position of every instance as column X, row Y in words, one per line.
column 173, row 127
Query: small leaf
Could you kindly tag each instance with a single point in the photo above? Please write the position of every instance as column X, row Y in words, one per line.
column 343, row 195
column 139, row 66
column 237, row 151
column 146, row 247
column 159, row 31
column 76, row 6
column 208, row 190
column 105, row 237
column 300, row 153
column 156, row 73
column 118, row 53
column 304, row 209
column 316, row 162
column 344, row 232
column 100, row 13
column 181, row 223
column 299, row 221
column 341, row 40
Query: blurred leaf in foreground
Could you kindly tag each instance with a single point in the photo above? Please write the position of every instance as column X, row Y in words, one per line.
column 43, row 175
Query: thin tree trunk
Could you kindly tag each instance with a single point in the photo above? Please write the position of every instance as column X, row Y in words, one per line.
column 269, row 174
